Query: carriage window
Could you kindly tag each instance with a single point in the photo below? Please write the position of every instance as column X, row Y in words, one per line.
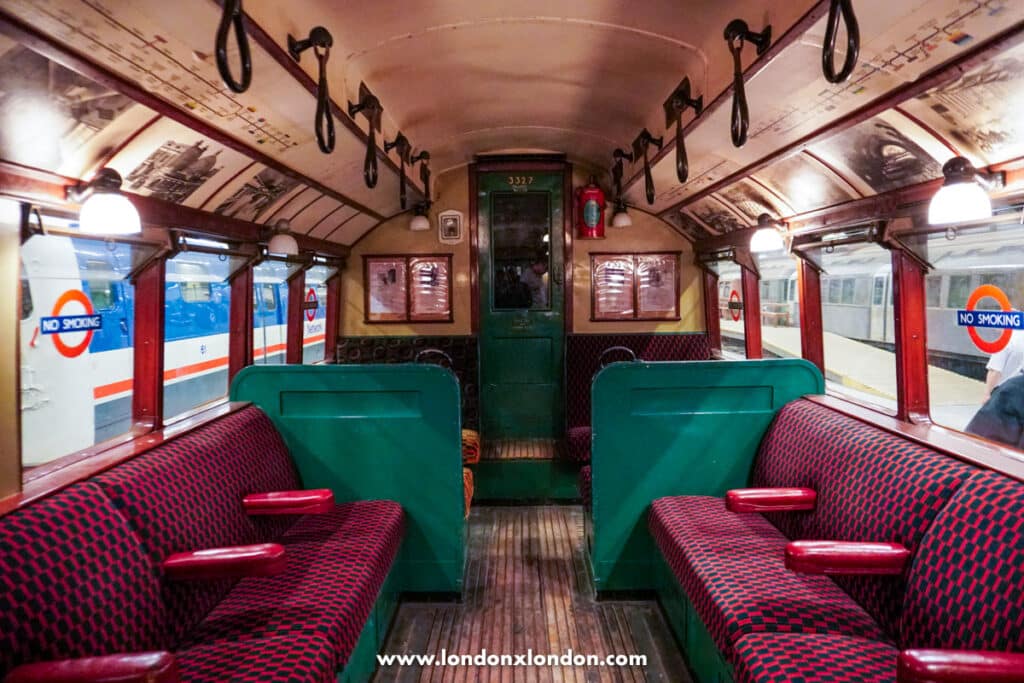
column 976, row 340
column 730, row 307
column 270, row 311
column 780, row 311
column 315, row 313
column 196, row 314
column 858, row 323
column 933, row 291
column 76, row 336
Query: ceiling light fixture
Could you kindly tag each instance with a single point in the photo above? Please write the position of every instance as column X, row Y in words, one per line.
column 105, row 210
column 964, row 195
column 767, row 237
column 283, row 242
column 419, row 219
column 621, row 217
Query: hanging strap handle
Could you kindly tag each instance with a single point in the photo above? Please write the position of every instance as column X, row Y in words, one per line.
column 840, row 9
column 324, row 120
column 682, row 162
column 740, row 111
column 233, row 17
column 370, row 174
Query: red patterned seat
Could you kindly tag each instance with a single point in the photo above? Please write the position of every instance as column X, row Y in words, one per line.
column 583, row 361
column 577, row 444
column 337, row 564
column 74, row 582
column 872, row 486
column 731, row 567
column 585, row 486
column 295, row 658
column 813, row 658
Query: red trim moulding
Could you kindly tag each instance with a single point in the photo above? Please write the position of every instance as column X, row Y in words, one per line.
column 712, row 316
column 812, row 343
column 240, row 328
column 971, row 449
column 63, row 472
column 751, row 313
column 296, row 316
column 911, row 338
column 332, row 318
column 148, row 388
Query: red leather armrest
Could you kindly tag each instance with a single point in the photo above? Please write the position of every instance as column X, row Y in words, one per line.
column 770, row 500
column 143, row 667
column 262, row 559
column 846, row 557
column 960, row 666
column 308, row 502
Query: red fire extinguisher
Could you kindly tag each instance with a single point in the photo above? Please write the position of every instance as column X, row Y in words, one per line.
column 590, row 205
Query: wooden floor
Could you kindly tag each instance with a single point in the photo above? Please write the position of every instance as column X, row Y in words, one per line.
column 520, row 449
column 527, row 587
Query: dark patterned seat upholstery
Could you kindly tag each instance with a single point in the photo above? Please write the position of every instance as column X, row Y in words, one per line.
column 583, row 361
column 83, row 576
column 813, row 658
column 74, row 582
column 964, row 528
column 731, row 567
column 585, row 485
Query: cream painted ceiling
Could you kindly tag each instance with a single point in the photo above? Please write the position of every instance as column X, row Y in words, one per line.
column 464, row 77
column 461, row 78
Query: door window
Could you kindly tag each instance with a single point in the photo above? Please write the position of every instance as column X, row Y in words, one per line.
column 520, row 249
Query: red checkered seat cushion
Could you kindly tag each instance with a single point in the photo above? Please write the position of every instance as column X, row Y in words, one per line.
column 813, row 658
column 74, row 582
column 187, row 495
column 295, row 658
column 731, row 568
column 585, row 485
column 336, row 566
column 577, row 443
column 872, row 486
column 966, row 585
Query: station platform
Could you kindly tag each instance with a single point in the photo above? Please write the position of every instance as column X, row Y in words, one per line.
column 870, row 372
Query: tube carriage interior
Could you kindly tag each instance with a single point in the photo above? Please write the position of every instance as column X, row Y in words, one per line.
column 579, row 341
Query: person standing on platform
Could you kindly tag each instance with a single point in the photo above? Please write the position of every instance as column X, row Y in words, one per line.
column 1002, row 417
column 1005, row 364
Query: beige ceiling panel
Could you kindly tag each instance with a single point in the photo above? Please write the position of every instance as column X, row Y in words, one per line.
column 979, row 114
column 312, row 214
column 58, row 120
column 353, row 229
column 901, row 41
column 174, row 163
column 287, row 209
column 329, row 224
column 804, row 183
column 156, row 45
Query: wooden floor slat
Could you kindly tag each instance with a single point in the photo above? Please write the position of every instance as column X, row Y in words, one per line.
column 520, row 449
column 527, row 587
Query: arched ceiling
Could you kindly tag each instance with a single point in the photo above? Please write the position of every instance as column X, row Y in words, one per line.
column 465, row 77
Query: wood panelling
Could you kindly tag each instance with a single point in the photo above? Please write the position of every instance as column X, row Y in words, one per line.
column 527, row 587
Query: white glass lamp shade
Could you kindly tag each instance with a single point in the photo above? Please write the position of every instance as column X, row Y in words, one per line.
column 621, row 219
column 419, row 222
column 283, row 243
column 109, row 213
column 765, row 240
column 959, row 203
